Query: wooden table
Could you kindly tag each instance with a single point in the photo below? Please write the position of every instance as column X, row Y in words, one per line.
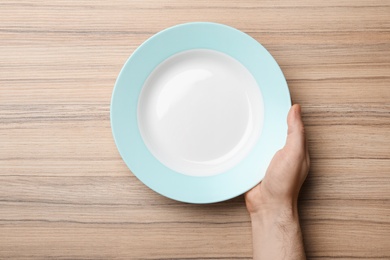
column 65, row 193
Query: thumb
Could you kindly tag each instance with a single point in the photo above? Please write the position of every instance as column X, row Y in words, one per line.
column 296, row 134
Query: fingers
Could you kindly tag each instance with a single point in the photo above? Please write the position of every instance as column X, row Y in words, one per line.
column 307, row 154
column 296, row 134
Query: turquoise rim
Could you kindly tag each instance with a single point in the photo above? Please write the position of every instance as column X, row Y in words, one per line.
column 124, row 103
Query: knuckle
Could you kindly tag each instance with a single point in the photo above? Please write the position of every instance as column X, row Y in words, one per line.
column 301, row 129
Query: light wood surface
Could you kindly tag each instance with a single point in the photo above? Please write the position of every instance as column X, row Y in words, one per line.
column 65, row 193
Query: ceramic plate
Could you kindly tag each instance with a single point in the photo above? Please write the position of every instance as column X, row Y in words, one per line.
column 198, row 111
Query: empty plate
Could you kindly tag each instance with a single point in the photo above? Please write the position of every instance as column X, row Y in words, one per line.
column 198, row 111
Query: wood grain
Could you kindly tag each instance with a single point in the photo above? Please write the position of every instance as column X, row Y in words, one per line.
column 65, row 193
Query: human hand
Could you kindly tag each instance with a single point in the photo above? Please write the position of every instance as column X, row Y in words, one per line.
column 272, row 204
column 286, row 173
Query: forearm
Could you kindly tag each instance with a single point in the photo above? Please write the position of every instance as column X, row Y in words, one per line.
column 277, row 235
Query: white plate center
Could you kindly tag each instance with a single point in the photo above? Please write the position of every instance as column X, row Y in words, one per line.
column 200, row 112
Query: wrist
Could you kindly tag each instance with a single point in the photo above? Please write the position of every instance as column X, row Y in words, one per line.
column 276, row 213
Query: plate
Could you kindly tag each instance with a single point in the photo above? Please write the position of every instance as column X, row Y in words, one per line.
column 198, row 111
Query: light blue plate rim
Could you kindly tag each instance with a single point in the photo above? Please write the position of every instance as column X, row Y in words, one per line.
column 124, row 104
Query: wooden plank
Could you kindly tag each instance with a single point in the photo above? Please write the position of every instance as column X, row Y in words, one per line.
column 65, row 193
